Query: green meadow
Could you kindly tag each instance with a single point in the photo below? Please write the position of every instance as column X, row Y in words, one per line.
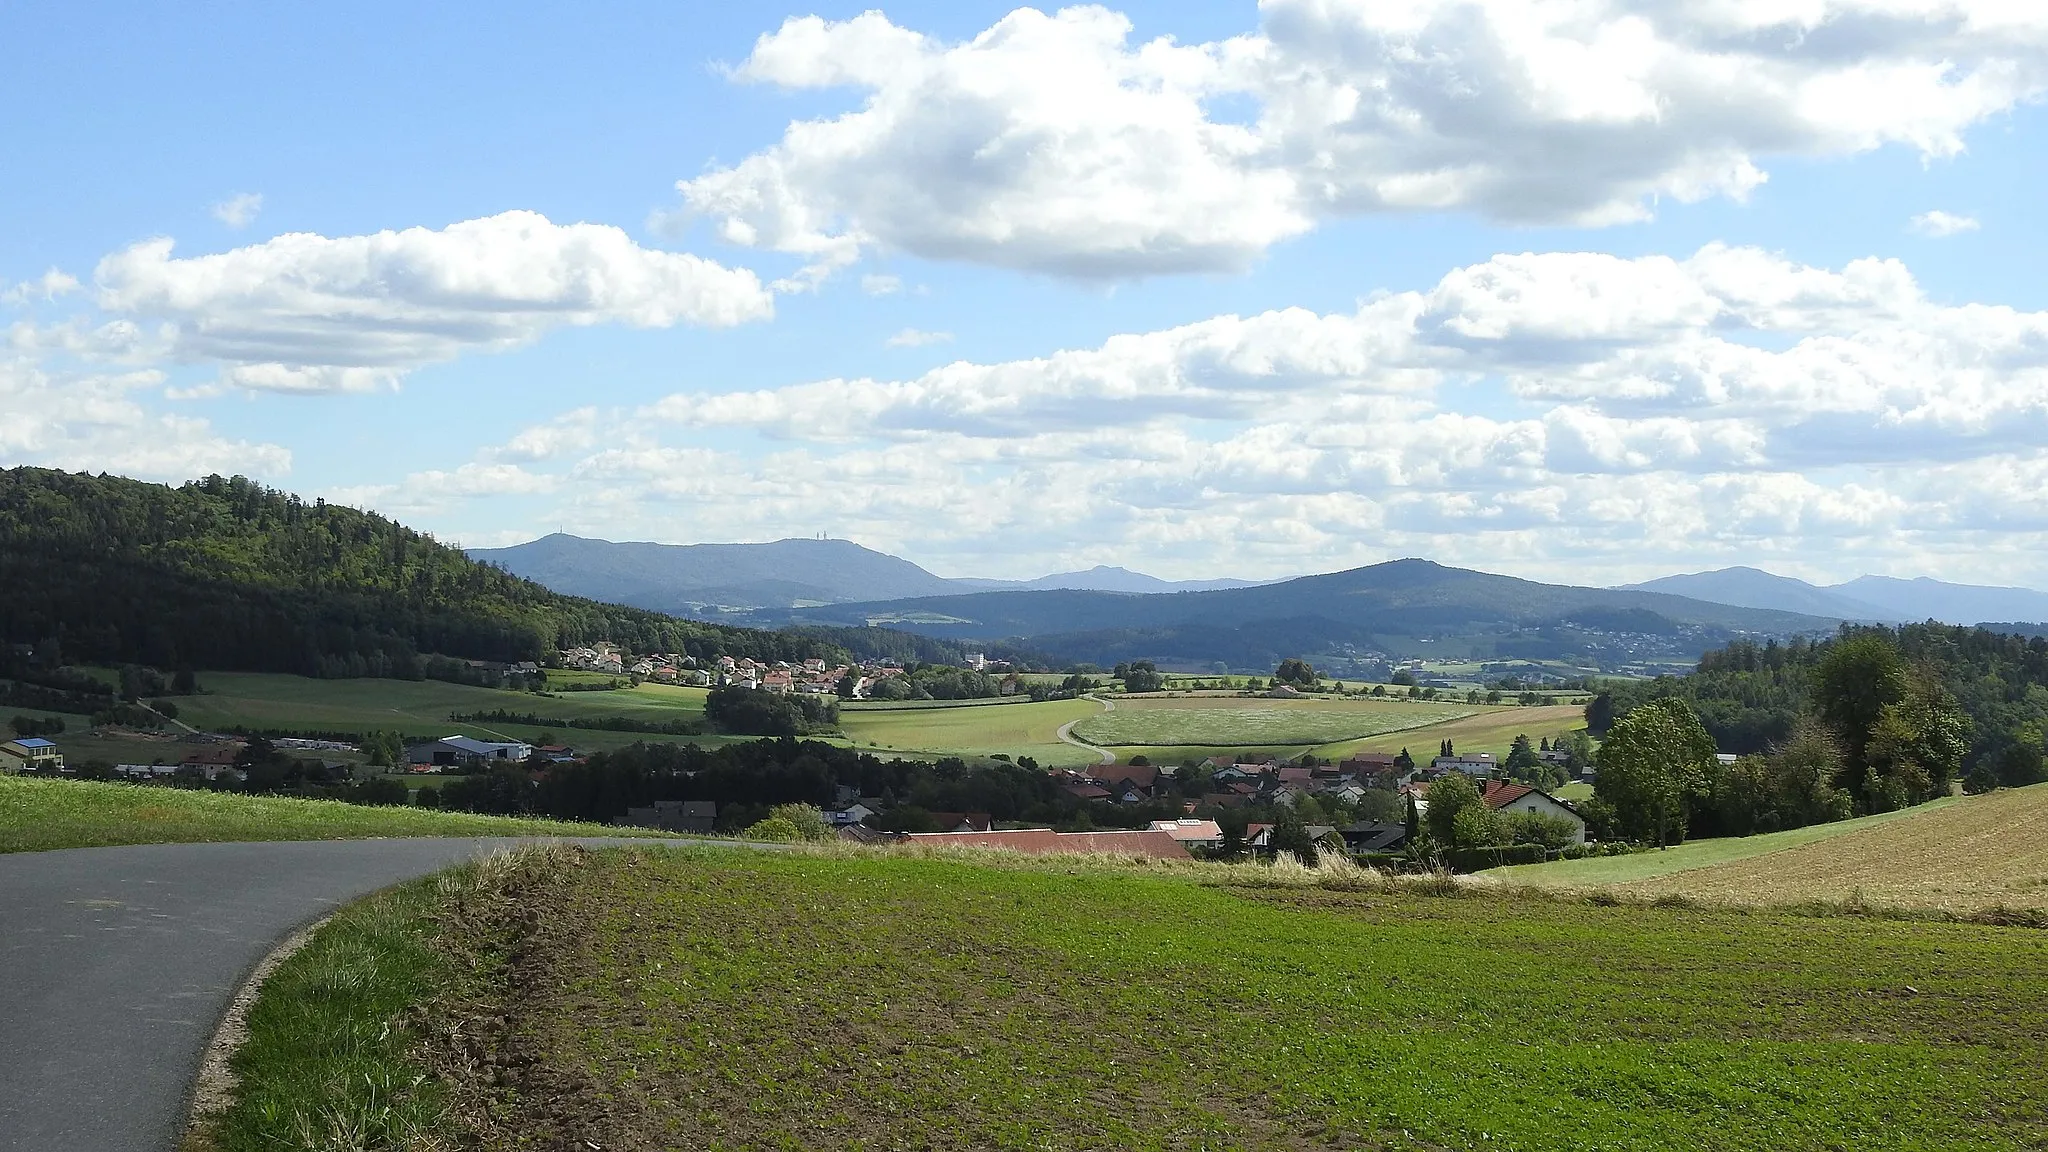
column 1223, row 721
column 871, row 1000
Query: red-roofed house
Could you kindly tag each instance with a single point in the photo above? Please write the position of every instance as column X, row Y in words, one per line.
column 1502, row 796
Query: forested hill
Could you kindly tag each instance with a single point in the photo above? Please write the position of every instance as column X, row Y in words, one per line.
column 1752, row 696
column 227, row 574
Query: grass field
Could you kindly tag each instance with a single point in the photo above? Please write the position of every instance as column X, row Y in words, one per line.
column 1013, row 729
column 1959, row 854
column 41, row 814
column 724, row 1001
column 1222, row 721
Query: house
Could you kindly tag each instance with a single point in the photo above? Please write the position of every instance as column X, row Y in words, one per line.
column 30, row 754
column 854, row 813
column 1045, row 841
column 1086, row 791
column 1194, row 833
column 963, row 821
column 672, row 816
column 1224, row 800
column 1507, row 798
column 1479, row 764
column 1283, row 692
column 1375, row 836
column 463, row 752
column 861, row 834
column 1117, row 777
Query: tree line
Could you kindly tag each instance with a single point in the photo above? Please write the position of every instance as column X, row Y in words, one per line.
column 1872, row 720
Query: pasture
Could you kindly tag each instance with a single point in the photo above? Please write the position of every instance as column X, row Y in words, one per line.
column 692, row 999
column 1224, row 721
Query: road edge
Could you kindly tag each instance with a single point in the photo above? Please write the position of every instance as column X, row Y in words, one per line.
column 213, row 1088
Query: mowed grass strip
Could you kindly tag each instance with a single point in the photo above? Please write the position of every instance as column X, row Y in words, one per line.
column 37, row 815
column 1254, row 722
column 687, row 1000
column 264, row 700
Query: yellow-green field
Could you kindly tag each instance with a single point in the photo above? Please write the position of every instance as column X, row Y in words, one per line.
column 1958, row 854
column 1013, row 729
column 1229, row 721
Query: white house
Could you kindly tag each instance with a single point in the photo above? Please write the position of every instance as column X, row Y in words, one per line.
column 1507, row 798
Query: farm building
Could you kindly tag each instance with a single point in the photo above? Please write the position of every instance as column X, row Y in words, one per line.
column 30, row 754
column 463, row 752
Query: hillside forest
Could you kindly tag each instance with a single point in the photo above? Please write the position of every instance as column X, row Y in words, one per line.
column 224, row 573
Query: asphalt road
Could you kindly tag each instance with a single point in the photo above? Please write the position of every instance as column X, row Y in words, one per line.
column 117, row 963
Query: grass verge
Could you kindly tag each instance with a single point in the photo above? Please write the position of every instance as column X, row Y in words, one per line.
column 37, row 814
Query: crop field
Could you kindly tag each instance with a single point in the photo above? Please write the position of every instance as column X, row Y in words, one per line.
column 421, row 707
column 693, row 999
column 1964, row 855
column 1223, row 721
column 1487, row 730
column 41, row 814
column 1013, row 729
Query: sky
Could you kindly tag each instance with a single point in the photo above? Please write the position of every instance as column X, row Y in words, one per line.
column 1581, row 290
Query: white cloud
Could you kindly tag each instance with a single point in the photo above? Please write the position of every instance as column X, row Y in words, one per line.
column 879, row 285
column 1053, row 143
column 239, row 210
column 1939, row 225
column 917, row 338
column 1579, row 416
column 306, row 313
column 47, row 287
column 95, row 422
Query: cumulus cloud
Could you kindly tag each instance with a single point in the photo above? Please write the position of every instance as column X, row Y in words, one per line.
column 881, row 285
column 47, row 287
column 1056, row 144
column 239, row 210
column 1939, row 225
column 96, row 422
column 1582, row 416
column 309, row 313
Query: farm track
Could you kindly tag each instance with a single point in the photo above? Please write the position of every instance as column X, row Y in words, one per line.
column 1066, row 732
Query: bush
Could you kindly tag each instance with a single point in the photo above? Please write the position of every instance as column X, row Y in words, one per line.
column 789, row 824
column 1477, row 859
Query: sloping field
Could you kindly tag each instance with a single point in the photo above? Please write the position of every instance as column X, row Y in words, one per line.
column 681, row 1000
column 1221, row 721
column 1979, row 852
column 1959, row 854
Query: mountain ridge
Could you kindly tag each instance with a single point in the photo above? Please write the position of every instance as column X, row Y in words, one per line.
column 1883, row 599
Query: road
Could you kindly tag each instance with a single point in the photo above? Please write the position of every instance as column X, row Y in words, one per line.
column 117, row 963
column 1066, row 732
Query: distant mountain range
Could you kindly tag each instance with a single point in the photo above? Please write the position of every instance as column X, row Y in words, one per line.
column 1883, row 599
column 1345, row 619
column 1404, row 607
column 690, row 578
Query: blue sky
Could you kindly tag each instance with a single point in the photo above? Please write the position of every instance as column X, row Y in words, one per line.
column 1009, row 292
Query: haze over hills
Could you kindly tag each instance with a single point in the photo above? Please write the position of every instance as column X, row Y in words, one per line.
column 1873, row 598
column 1404, row 607
column 690, row 578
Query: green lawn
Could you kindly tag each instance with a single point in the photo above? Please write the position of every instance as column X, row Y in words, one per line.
column 726, row 1001
column 1691, row 854
column 1223, row 721
column 38, row 814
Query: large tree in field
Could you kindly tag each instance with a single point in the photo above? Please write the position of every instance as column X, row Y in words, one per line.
column 1656, row 763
